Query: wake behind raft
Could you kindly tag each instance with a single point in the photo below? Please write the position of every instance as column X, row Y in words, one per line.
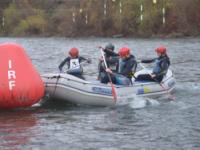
column 20, row 83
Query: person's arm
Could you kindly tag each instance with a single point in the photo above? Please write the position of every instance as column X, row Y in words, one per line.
column 110, row 60
column 63, row 63
column 164, row 65
column 82, row 59
column 148, row 60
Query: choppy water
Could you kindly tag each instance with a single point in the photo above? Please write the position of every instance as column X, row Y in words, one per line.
column 139, row 124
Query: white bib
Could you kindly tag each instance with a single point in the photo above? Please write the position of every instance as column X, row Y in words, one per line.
column 74, row 64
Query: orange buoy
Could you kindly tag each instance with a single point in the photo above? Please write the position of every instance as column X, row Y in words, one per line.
column 20, row 83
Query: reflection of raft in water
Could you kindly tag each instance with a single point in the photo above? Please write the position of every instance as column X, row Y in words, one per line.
column 91, row 92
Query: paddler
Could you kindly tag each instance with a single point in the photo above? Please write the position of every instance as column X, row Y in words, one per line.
column 73, row 62
column 161, row 65
column 126, row 67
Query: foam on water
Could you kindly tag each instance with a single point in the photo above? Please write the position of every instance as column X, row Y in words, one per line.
column 36, row 105
column 137, row 102
column 196, row 86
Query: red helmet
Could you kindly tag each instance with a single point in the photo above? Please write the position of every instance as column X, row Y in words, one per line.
column 161, row 50
column 124, row 51
column 74, row 52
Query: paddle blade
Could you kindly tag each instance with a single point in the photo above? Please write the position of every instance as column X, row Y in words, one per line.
column 114, row 92
column 172, row 97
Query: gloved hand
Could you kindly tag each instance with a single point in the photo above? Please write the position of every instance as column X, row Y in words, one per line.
column 108, row 70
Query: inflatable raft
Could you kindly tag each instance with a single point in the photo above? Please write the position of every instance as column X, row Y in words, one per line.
column 91, row 92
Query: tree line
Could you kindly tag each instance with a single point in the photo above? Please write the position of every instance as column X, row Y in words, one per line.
column 71, row 18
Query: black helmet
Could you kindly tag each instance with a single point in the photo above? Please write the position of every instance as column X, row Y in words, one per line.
column 110, row 46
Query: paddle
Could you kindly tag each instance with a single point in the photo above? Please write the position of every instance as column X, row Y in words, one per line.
column 170, row 95
column 113, row 88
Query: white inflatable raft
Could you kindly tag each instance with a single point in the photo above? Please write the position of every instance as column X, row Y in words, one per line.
column 91, row 92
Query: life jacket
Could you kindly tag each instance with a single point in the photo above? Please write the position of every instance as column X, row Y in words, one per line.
column 124, row 63
column 161, row 66
column 74, row 66
column 121, row 65
column 113, row 66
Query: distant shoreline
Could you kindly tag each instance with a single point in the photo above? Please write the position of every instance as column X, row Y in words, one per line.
column 176, row 35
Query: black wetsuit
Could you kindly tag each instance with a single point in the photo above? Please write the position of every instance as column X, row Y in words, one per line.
column 71, row 64
column 112, row 61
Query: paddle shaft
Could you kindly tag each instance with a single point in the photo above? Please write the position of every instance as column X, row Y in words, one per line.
column 171, row 96
column 109, row 77
column 85, row 61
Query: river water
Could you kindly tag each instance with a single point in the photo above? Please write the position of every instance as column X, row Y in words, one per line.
column 139, row 124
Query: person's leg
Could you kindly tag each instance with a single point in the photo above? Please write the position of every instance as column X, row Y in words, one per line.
column 113, row 79
column 144, row 77
column 105, row 79
column 159, row 78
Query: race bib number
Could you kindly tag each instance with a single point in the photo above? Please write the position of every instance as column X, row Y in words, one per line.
column 74, row 63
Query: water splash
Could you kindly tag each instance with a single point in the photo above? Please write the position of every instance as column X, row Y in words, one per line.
column 196, row 86
column 36, row 105
column 137, row 102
